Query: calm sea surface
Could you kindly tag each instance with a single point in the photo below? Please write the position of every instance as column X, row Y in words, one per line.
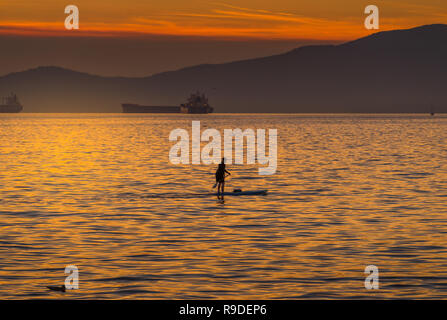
column 98, row 191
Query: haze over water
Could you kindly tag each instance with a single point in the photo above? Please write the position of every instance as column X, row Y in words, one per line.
column 97, row 191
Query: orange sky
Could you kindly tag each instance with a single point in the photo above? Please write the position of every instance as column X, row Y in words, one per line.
column 260, row 19
column 143, row 37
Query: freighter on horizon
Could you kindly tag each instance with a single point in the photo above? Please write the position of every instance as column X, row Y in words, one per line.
column 10, row 104
column 197, row 103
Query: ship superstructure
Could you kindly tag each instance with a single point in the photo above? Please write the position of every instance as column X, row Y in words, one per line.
column 197, row 103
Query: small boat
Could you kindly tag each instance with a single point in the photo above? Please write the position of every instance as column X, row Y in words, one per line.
column 432, row 110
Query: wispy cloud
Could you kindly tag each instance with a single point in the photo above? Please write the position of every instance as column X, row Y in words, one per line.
column 241, row 13
column 227, row 20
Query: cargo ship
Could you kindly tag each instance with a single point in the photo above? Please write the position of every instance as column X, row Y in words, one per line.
column 10, row 104
column 196, row 104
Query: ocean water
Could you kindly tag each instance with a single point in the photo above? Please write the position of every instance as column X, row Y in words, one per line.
column 98, row 191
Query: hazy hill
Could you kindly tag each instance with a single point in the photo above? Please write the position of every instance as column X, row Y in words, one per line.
column 394, row 71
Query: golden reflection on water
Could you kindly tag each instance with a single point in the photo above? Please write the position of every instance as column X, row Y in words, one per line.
column 97, row 191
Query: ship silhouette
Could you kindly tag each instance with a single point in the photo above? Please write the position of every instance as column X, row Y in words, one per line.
column 10, row 104
column 197, row 103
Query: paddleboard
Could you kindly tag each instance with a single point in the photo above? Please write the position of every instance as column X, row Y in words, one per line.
column 243, row 193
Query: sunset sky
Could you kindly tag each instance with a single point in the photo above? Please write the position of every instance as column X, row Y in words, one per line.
column 154, row 36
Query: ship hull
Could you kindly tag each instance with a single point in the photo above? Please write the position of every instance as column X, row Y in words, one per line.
column 10, row 109
column 196, row 110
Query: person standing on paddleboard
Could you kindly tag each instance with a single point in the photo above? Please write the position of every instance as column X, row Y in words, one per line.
column 220, row 176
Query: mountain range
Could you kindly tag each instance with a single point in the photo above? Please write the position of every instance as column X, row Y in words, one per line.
column 394, row 71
